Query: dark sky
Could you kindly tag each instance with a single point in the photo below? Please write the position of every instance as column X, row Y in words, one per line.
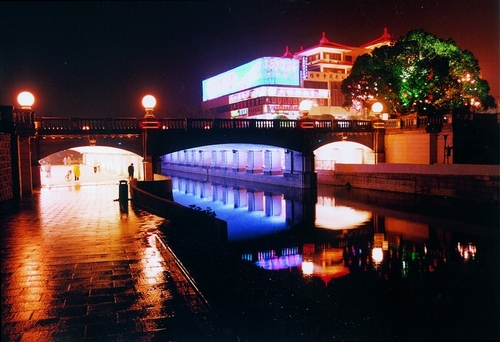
column 99, row 58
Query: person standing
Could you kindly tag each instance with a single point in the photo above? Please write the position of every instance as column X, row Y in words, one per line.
column 131, row 171
column 47, row 169
column 76, row 171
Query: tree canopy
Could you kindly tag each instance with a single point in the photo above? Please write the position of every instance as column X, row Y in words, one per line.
column 418, row 71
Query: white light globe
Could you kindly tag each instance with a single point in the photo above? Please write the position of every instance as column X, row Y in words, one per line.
column 149, row 102
column 305, row 105
column 377, row 107
column 25, row 99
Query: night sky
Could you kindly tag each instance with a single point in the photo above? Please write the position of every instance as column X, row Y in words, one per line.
column 98, row 59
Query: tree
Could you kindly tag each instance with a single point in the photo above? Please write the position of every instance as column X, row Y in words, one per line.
column 418, row 71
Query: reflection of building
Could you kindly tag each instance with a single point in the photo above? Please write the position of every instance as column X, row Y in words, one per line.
column 272, row 86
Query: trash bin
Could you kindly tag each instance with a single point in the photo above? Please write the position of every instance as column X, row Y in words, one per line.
column 123, row 191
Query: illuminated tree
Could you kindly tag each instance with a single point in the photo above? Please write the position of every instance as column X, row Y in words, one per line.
column 418, row 71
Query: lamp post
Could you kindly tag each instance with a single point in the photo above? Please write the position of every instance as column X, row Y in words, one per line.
column 22, row 147
column 149, row 102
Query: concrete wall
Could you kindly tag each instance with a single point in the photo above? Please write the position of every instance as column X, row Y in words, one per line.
column 471, row 182
column 186, row 221
column 413, row 147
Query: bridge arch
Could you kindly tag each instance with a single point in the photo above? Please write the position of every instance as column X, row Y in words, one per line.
column 49, row 144
column 110, row 160
column 342, row 152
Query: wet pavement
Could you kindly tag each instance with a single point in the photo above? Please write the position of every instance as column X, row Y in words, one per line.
column 76, row 268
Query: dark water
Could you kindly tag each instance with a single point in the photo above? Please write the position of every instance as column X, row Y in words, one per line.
column 352, row 264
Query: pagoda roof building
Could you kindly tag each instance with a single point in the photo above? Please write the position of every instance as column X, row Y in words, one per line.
column 384, row 39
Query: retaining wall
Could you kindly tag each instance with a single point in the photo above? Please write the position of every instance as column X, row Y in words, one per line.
column 187, row 222
column 470, row 182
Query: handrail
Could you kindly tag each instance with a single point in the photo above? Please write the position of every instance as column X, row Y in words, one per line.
column 131, row 124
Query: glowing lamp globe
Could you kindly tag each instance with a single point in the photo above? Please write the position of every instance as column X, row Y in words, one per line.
column 305, row 105
column 377, row 107
column 25, row 99
column 149, row 102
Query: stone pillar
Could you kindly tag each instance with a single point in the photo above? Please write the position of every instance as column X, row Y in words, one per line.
column 379, row 146
column 216, row 159
column 192, row 157
column 183, row 157
column 272, row 162
column 226, row 159
column 36, row 181
column 254, row 161
column 147, row 165
column 25, row 167
column 239, row 160
column 288, row 162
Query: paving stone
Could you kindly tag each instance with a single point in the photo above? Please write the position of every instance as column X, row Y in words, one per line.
column 75, row 269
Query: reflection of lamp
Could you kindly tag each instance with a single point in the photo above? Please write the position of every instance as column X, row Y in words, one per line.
column 25, row 99
column 305, row 107
column 377, row 255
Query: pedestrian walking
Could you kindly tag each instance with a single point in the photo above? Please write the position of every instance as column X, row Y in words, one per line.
column 76, row 171
column 47, row 169
column 131, row 171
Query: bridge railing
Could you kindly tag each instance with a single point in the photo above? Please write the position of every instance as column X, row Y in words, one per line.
column 60, row 124
column 67, row 124
column 330, row 125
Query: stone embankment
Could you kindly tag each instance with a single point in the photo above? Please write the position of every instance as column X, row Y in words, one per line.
column 468, row 182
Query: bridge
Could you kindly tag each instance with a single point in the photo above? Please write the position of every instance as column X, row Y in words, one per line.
column 169, row 135
column 32, row 138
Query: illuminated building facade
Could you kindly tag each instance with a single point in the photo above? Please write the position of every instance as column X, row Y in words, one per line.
column 272, row 86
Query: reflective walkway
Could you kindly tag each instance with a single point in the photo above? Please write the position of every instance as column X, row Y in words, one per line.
column 74, row 268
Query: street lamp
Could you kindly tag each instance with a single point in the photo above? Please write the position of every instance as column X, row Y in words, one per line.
column 149, row 103
column 149, row 122
column 305, row 106
column 377, row 108
column 26, row 100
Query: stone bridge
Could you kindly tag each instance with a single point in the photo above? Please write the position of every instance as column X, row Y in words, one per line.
column 162, row 136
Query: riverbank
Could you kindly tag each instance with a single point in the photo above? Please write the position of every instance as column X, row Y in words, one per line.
column 466, row 182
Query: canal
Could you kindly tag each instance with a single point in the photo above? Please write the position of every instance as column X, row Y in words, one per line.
column 341, row 263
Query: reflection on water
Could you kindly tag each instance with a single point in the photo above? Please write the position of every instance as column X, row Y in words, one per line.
column 433, row 256
column 275, row 230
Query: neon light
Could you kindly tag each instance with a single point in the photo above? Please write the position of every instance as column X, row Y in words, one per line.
column 305, row 74
column 279, row 92
column 262, row 71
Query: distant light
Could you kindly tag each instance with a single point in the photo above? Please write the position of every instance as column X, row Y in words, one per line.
column 377, row 107
column 149, row 102
column 26, row 99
